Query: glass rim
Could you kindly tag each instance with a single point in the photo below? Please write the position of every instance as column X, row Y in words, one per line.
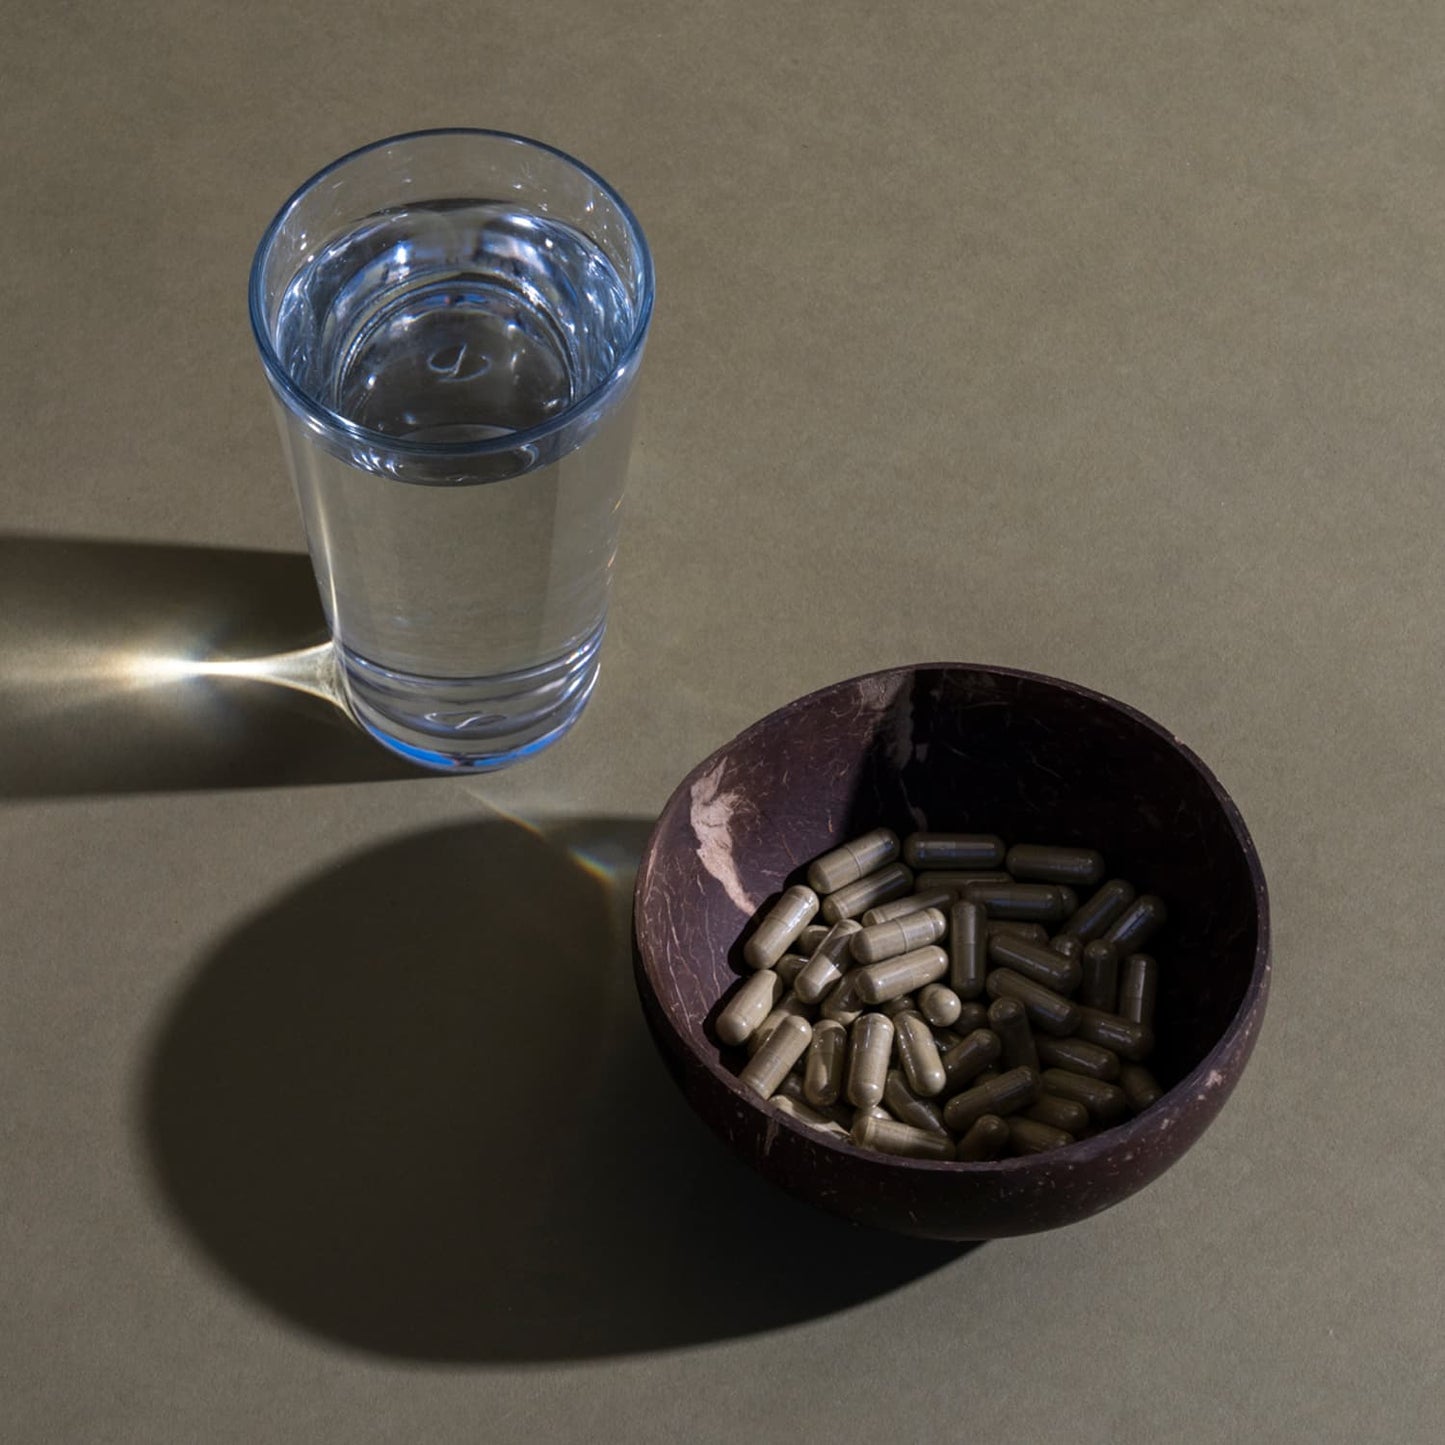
column 333, row 421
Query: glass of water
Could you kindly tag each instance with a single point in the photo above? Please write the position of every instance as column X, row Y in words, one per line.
column 452, row 324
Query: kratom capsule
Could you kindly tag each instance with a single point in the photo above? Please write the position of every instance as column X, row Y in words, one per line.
column 1067, row 946
column 1033, row 932
column 827, row 1063
column 789, row 966
column 1138, row 985
column 953, row 850
column 789, row 1006
column 1137, row 924
column 781, row 924
column 809, row 1118
column 830, row 961
column 782, row 1049
column 987, row 1139
column 969, row 1057
column 869, row 1049
column 888, row 883
column 1048, row 1011
column 967, row 943
column 751, row 1003
column 1111, row 1031
column 853, row 861
column 1081, row 866
column 1105, row 1102
column 919, row 1055
column 1034, row 960
column 809, row 939
column 1098, row 912
column 901, row 1005
column 793, row 1088
column 971, row 1016
column 892, row 978
column 939, row 1005
column 1029, row 1136
column 908, row 1108
column 1016, row 1089
column 955, row 880
column 1078, row 1056
column 1026, row 902
column 1099, row 983
column 1007, row 1019
column 1059, row 1113
column 892, row 1137
column 899, row 935
column 913, row 903
column 842, row 1002
column 1140, row 1087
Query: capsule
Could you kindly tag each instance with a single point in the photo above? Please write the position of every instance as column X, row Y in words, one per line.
column 789, row 966
column 968, row 945
column 1016, row 1089
column 879, row 982
column 888, row 883
column 913, row 903
column 888, row 1136
column 1007, row 1019
column 1059, row 1113
column 830, row 961
column 908, row 1108
column 918, row 1054
column 1033, row 932
column 827, row 1063
column 782, row 1049
column 1137, row 924
column 1105, row 1102
column 1025, row 902
column 1128, row 1039
column 968, row 1058
column 1079, row 1057
column 809, row 1118
column 1029, row 1136
column 1077, row 866
column 793, row 1087
column 1138, row 986
column 1048, row 1011
column 953, row 850
column 870, row 1046
column 752, row 1002
column 955, row 880
column 782, row 923
column 971, row 1016
column 1036, row 961
column 789, row 1006
column 809, row 939
column 987, row 1139
column 939, row 1005
column 1099, row 911
column 853, row 861
column 1099, row 981
column 842, row 1003
column 1140, row 1086
column 900, row 935
column 1067, row 946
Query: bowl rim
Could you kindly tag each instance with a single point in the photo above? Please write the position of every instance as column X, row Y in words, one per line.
column 1204, row 1077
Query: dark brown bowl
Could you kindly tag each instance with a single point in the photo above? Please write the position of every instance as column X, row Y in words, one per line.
column 958, row 748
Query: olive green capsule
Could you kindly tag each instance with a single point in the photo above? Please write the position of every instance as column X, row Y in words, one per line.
column 1029, row 1136
column 1033, row 932
column 843, row 1003
column 895, row 1006
column 781, row 924
column 968, row 945
column 913, row 903
column 971, row 1016
column 1034, row 960
column 830, row 961
column 1067, row 946
column 870, row 1046
column 918, row 1054
column 939, row 1005
column 1138, row 986
column 1007, row 1019
column 1025, row 902
column 751, row 1003
column 900, row 935
column 894, row 881
column 788, row 967
column 908, row 1108
column 1080, row 866
column 888, row 1136
column 1140, row 1086
column 827, row 1062
column 782, row 1049
column 1079, row 1057
column 1048, row 1011
column 1099, row 984
column 987, row 1139
column 809, row 939
column 1059, row 1113
column 808, row 1118
column 1128, row 1039
column 1100, row 910
column 955, row 880
column 1016, row 1089
column 1105, row 1102
column 879, row 982
column 1133, row 928
column 966, row 1059
column 953, row 850
column 794, row 1087
column 789, row 1006
column 853, row 861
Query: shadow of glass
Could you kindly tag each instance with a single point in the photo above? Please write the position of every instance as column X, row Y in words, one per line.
column 104, row 685
column 413, row 1107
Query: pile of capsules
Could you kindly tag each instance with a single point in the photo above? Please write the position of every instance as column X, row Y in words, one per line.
column 957, row 1000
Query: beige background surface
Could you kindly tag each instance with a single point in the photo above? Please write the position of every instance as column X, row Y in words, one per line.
column 1100, row 339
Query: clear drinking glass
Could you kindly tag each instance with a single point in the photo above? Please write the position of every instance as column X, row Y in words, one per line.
column 452, row 324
